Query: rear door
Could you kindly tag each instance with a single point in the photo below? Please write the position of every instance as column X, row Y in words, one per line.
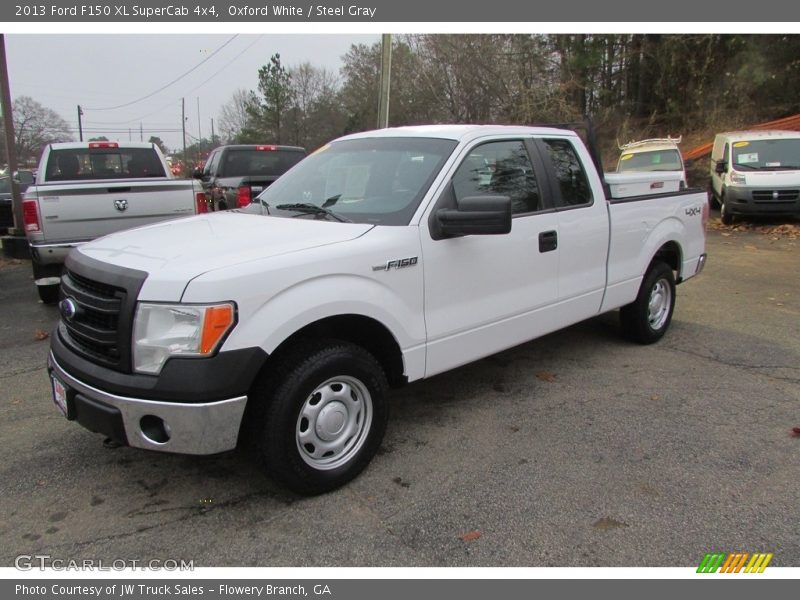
column 583, row 226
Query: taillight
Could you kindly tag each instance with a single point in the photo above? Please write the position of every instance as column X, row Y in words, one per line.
column 94, row 145
column 30, row 215
column 202, row 204
column 243, row 196
column 267, row 148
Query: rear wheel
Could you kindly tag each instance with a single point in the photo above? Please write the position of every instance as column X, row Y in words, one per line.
column 321, row 415
column 647, row 318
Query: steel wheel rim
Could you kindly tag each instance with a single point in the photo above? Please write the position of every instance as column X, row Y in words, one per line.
column 334, row 422
column 659, row 304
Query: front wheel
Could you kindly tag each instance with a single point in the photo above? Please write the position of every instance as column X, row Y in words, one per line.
column 323, row 417
column 724, row 212
column 647, row 318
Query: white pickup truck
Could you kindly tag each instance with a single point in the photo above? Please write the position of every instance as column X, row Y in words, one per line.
column 85, row 190
column 384, row 257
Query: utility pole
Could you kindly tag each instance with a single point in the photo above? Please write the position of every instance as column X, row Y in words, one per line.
column 212, row 130
column 14, row 246
column 386, row 76
column 141, row 132
column 183, row 127
column 80, row 123
column 199, row 134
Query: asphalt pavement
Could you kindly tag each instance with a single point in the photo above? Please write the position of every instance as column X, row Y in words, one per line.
column 577, row 449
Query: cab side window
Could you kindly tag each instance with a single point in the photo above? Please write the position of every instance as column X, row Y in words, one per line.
column 499, row 169
column 569, row 173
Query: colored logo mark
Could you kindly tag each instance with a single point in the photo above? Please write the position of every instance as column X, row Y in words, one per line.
column 734, row 562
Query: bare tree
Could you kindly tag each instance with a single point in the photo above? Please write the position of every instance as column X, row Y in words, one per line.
column 233, row 117
column 35, row 126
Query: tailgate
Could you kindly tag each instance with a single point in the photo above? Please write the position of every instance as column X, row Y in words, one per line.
column 80, row 211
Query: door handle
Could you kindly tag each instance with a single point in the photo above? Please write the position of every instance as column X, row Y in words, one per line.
column 548, row 241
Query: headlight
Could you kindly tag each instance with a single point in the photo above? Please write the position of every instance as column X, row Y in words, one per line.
column 164, row 330
column 738, row 178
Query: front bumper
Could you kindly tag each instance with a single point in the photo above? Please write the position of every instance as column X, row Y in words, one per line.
column 182, row 428
column 759, row 201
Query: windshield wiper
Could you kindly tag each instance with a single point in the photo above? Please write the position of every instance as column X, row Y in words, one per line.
column 738, row 166
column 781, row 168
column 312, row 209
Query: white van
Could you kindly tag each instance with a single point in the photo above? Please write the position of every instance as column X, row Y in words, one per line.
column 657, row 154
column 756, row 173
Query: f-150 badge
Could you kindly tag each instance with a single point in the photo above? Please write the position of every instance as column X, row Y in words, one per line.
column 400, row 263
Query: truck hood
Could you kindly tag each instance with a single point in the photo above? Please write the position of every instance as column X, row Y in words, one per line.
column 173, row 253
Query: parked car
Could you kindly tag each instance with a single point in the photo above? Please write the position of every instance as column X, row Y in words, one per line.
column 656, row 154
column 86, row 190
column 234, row 175
column 385, row 257
column 24, row 179
column 756, row 173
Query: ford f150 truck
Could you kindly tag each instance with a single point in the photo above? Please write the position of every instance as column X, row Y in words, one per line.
column 85, row 190
column 382, row 258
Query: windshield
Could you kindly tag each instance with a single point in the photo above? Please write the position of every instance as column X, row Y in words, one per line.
column 766, row 155
column 370, row 180
column 657, row 160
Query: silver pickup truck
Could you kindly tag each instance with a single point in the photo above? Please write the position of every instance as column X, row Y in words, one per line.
column 85, row 190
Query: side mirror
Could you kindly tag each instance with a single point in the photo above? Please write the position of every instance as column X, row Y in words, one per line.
column 197, row 173
column 721, row 167
column 476, row 215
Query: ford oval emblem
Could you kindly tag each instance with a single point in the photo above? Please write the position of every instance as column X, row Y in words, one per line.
column 68, row 309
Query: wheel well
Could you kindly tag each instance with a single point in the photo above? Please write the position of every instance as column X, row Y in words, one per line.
column 366, row 332
column 671, row 254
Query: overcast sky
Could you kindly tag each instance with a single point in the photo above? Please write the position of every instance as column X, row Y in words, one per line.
column 104, row 71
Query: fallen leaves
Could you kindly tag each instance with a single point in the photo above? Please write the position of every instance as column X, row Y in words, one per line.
column 785, row 230
column 796, row 432
column 607, row 523
column 40, row 334
column 471, row 536
column 545, row 376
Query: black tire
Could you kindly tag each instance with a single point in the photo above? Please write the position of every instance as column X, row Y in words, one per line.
column 642, row 323
column 48, row 294
column 293, row 394
column 724, row 213
column 713, row 201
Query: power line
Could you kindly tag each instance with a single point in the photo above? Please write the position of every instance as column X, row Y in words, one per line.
column 188, row 91
column 163, row 87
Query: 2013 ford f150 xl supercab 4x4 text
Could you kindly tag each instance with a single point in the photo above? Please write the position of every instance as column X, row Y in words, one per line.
column 384, row 257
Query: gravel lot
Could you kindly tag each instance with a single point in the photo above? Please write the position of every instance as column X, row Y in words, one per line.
column 578, row 449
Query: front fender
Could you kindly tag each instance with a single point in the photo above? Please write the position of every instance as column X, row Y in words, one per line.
column 311, row 300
